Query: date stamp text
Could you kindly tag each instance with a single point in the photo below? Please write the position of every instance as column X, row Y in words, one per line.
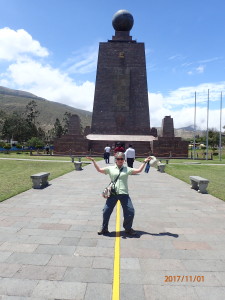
column 184, row 278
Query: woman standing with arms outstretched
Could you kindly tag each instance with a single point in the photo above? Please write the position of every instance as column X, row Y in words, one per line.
column 121, row 192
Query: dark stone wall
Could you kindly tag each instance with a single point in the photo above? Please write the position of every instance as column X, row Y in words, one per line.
column 170, row 147
column 74, row 142
column 142, row 149
column 71, row 145
column 121, row 94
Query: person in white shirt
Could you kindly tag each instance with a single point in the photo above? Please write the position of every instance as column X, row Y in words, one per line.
column 130, row 156
column 107, row 154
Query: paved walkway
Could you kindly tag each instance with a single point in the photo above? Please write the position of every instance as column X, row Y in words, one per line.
column 49, row 248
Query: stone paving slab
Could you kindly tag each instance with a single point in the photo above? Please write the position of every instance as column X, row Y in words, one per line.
column 49, row 248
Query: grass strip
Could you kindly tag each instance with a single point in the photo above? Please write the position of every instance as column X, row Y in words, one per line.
column 15, row 175
column 38, row 157
column 215, row 175
column 183, row 168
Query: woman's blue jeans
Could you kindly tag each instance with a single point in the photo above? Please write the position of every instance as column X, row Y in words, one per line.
column 128, row 210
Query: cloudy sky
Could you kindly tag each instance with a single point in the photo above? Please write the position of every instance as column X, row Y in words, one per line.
column 50, row 48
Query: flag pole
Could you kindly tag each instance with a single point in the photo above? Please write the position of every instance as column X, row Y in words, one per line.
column 220, row 143
column 207, row 134
column 194, row 129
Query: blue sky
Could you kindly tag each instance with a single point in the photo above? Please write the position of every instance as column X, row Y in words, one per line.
column 50, row 47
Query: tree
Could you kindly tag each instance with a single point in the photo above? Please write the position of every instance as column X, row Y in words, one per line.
column 2, row 144
column 58, row 129
column 66, row 120
column 35, row 142
column 31, row 112
column 10, row 126
column 214, row 138
column 41, row 133
column 17, row 128
column 2, row 119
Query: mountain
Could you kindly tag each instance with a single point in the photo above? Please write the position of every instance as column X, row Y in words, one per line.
column 188, row 132
column 187, row 128
column 184, row 132
column 16, row 100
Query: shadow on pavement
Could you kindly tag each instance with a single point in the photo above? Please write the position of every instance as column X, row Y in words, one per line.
column 139, row 233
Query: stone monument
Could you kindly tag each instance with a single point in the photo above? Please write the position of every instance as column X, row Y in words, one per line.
column 167, row 127
column 168, row 145
column 121, row 110
column 74, row 142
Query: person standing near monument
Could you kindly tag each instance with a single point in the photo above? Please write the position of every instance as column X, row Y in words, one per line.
column 130, row 156
column 121, row 192
column 119, row 148
column 107, row 153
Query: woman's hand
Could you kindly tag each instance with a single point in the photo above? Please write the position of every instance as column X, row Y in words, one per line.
column 139, row 170
column 147, row 159
column 90, row 158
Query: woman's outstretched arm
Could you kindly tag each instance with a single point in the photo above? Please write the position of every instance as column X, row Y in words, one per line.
column 101, row 170
column 140, row 169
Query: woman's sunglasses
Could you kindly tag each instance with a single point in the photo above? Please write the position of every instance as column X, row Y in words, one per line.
column 120, row 159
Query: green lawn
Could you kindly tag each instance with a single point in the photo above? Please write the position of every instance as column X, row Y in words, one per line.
column 215, row 175
column 26, row 155
column 183, row 168
column 15, row 175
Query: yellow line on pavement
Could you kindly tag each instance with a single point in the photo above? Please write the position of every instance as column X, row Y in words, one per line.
column 116, row 272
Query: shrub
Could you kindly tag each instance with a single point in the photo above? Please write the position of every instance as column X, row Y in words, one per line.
column 35, row 142
column 2, row 144
column 7, row 146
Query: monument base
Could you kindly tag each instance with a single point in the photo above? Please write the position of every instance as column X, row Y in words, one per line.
column 170, row 147
column 71, row 145
column 141, row 143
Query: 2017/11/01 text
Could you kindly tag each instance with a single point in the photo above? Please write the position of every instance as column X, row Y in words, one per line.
column 184, row 278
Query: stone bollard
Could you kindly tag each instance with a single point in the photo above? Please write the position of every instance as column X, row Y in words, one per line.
column 72, row 158
column 78, row 165
column 161, row 168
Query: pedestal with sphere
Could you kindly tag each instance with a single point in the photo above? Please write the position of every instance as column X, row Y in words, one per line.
column 121, row 93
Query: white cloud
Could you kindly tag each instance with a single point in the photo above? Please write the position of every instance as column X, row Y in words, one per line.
column 82, row 62
column 185, row 95
column 15, row 44
column 200, row 69
column 197, row 70
column 52, row 84
column 178, row 57
column 179, row 104
column 210, row 60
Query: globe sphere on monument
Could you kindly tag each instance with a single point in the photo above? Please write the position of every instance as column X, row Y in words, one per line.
column 122, row 20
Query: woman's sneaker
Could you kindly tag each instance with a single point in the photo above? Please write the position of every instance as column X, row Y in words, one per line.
column 103, row 231
column 131, row 231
